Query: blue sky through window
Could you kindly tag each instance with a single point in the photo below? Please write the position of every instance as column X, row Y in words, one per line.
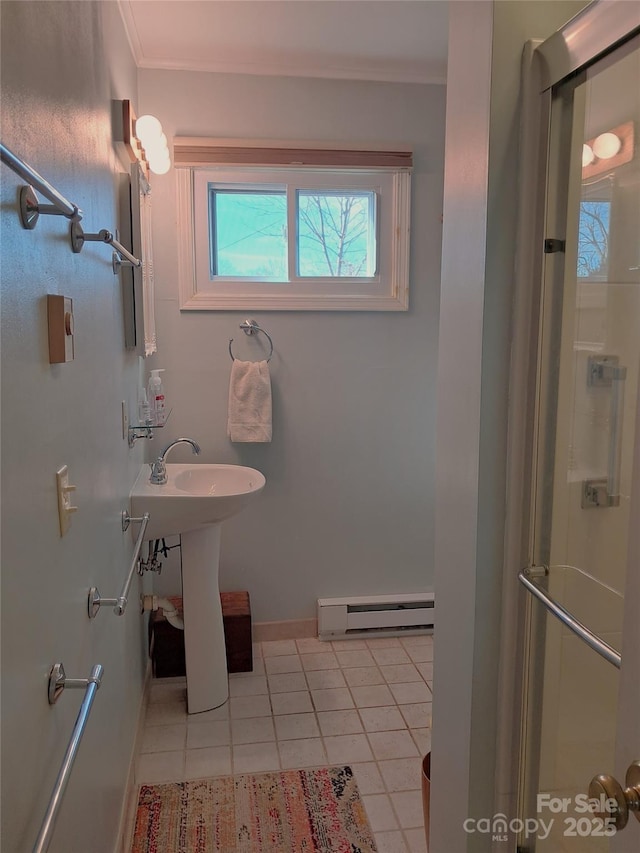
column 249, row 230
column 593, row 239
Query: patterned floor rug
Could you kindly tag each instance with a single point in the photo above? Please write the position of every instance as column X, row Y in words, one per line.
column 294, row 811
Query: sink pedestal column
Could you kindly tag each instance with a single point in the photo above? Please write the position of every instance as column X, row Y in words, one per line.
column 204, row 646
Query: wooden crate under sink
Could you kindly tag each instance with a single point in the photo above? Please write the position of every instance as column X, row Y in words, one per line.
column 166, row 643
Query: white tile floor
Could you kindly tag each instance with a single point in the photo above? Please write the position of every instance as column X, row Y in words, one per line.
column 366, row 703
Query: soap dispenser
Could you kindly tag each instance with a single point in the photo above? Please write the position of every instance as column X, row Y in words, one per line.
column 156, row 398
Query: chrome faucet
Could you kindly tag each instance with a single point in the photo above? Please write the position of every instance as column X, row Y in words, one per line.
column 159, row 469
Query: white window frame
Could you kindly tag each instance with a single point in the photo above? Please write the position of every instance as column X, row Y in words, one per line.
column 388, row 290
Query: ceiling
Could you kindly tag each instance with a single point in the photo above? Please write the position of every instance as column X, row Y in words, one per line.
column 392, row 40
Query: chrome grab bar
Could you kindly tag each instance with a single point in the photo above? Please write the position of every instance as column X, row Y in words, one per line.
column 57, row 682
column 618, row 377
column 605, row 371
column 61, row 205
column 592, row 640
column 119, row 604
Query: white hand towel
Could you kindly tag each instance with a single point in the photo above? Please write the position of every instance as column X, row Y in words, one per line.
column 249, row 401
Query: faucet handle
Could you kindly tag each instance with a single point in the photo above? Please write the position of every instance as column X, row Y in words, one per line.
column 158, row 472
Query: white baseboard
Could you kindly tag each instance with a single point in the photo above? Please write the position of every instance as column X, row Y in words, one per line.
column 292, row 629
column 129, row 805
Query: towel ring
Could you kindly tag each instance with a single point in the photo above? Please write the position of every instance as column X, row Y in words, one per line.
column 249, row 327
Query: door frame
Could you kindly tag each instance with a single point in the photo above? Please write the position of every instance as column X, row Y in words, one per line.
column 597, row 30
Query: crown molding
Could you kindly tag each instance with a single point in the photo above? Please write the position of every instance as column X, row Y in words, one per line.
column 379, row 72
column 131, row 31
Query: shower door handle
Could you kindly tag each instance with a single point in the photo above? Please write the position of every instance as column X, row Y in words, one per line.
column 604, row 370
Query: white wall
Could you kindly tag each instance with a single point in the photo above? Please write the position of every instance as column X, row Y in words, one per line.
column 62, row 64
column 486, row 40
column 348, row 506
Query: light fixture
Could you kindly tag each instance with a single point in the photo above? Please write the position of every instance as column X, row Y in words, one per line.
column 155, row 145
column 160, row 165
column 145, row 141
column 587, row 155
column 608, row 150
column 606, row 145
column 147, row 128
column 154, row 142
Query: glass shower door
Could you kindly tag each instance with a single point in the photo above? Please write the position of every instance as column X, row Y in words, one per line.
column 585, row 557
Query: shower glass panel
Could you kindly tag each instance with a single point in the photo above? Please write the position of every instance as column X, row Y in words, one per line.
column 588, row 381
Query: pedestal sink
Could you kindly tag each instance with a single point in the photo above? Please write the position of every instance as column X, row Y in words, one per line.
column 193, row 503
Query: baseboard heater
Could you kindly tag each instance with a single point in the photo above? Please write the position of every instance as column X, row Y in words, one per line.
column 389, row 615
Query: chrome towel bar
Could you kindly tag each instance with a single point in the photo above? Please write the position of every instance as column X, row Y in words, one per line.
column 119, row 604
column 78, row 239
column 250, row 327
column 29, row 207
column 592, row 640
column 57, row 683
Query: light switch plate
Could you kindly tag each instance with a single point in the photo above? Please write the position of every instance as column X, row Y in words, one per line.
column 125, row 420
column 65, row 508
column 60, row 319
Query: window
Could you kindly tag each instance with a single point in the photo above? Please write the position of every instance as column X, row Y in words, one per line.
column 594, row 227
column 321, row 237
column 321, row 227
column 593, row 240
column 247, row 232
column 335, row 233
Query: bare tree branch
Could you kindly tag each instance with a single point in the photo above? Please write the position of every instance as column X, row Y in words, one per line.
column 593, row 238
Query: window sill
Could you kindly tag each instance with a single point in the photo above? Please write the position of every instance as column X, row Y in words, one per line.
column 203, row 301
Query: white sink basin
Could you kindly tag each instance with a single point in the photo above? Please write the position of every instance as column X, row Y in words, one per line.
column 194, row 495
column 193, row 502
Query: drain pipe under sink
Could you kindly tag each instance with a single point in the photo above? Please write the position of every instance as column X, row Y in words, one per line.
column 152, row 602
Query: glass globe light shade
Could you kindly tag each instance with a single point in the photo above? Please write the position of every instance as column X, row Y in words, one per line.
column 157, row 146
column 587, row 155
column 160, row 165
column 606, row 145
column 148, row 128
